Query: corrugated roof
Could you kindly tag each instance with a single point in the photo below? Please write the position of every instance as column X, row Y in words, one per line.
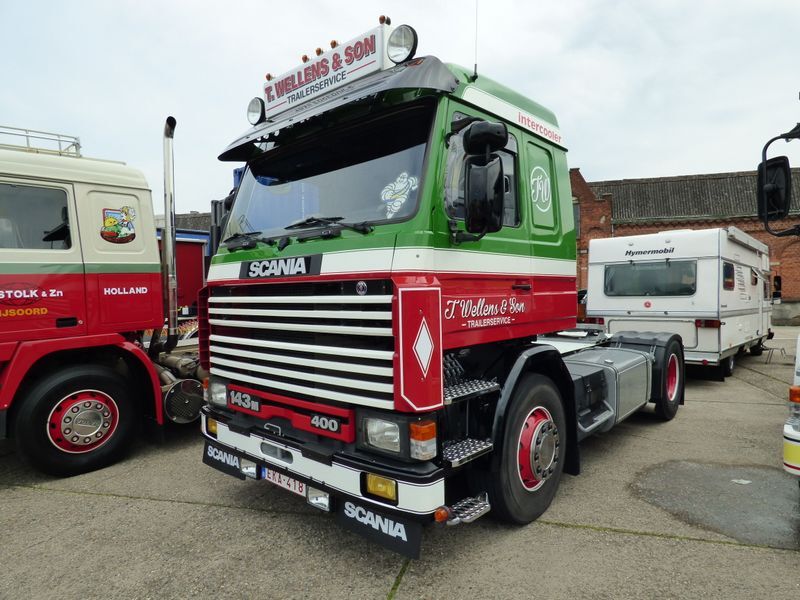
column 687, row 197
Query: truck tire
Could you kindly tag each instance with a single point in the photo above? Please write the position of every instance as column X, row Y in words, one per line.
column 673, row 382
column 525, row 481
column 75, row 420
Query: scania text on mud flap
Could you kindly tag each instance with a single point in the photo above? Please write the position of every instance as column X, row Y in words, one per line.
column 399, row 242
column 774, row 199
column 80, row 283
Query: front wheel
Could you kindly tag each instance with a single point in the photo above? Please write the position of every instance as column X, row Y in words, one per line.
column 76, row 420
column 526, row 474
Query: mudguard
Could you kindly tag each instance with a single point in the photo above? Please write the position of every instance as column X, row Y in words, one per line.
column 544, row 359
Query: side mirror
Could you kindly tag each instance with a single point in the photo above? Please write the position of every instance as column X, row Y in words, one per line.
column 774, row 189
column 483, row 208
column 482, row 137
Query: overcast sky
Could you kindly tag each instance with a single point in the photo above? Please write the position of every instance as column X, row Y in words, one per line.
column 641, row 89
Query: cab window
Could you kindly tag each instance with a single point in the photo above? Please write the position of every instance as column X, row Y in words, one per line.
column 33, row 218
column 454, row 185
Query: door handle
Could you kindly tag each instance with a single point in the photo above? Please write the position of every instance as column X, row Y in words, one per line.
column 522, row 286
column 67, row 322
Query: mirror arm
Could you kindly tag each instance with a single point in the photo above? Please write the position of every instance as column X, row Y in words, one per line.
column 457, row 236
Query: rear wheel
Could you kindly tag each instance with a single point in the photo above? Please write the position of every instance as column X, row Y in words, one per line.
column 75, row 420
column 526, row 474
column 728, row 365
column 673, row 382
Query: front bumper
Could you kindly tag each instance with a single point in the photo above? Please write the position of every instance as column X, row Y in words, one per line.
column 418, row 497
column 791, row 450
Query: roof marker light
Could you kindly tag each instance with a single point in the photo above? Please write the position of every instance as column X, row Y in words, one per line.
column 384, row 20
column 304, row 58
column 402, row 44
column 269, row 76
column 334, row 43
column 318, row 51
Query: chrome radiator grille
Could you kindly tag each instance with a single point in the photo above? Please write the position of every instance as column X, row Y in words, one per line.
column 311, row 341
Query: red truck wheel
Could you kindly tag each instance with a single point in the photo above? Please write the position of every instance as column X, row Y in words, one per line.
column 672, row 393
column 524, row 483
column 75, row 420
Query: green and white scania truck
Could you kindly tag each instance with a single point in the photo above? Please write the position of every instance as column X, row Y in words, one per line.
column 401, row 240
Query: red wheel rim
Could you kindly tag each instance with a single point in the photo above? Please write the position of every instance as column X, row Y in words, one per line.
column 672, row 378
column 538, row 449
column 82, row 421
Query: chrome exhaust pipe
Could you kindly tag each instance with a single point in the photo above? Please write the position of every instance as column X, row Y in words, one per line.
column 169, row 279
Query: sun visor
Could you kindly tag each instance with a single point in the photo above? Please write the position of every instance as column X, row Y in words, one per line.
column 421, row 73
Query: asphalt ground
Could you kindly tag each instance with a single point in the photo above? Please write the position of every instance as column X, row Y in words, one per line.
column 694, row 508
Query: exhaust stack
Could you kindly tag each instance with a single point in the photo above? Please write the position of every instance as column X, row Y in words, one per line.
column 168, row 277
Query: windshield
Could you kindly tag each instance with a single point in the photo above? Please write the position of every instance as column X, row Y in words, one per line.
column 370, row 172
column 668, row 278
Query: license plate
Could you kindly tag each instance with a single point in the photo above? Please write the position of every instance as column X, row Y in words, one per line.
column 284, row 481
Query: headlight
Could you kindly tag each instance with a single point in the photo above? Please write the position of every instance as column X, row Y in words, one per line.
column 406, row 437
column 217, row 392
column 402, row 44
column 381, row 434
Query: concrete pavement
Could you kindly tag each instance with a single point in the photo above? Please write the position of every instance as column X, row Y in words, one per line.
column 660, row 510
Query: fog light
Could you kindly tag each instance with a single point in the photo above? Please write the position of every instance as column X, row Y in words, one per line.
column 248, row 469
column 319, row 499
column 211, row 427
column 382, row 486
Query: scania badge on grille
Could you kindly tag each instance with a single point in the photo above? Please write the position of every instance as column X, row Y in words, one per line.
column 361, row 288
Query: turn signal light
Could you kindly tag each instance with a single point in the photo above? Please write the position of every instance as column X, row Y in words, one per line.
column 211, row 427
column 422, row 436
column 382, row 486
column 441, row 515
column 794, row 394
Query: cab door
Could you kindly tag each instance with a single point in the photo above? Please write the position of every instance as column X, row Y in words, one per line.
column 41, row 266
column 486, row 284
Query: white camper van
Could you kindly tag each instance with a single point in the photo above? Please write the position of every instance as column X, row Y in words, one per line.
column 711, row 286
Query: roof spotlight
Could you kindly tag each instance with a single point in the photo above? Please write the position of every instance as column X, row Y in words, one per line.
column 256, row 111
column 402, row 44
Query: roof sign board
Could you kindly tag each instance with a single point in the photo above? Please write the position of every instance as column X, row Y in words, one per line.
column 347, row 62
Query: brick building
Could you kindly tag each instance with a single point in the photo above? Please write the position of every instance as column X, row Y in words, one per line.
column 635, row 206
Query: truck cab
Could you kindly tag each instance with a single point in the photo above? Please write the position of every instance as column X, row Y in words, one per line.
column 80, row 281
column 402, row 234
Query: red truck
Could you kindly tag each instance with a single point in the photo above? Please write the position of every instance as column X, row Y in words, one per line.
column 81, row 280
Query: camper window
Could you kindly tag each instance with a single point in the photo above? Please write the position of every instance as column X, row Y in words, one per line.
column 728, row 278
column 664, row 278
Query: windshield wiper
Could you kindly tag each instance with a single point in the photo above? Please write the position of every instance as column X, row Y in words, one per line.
column 245, row 241
column 363, row 227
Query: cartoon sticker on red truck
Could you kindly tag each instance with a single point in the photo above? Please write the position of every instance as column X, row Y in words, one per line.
column 118, row 225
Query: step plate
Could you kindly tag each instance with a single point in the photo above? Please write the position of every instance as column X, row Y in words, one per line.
column 469, row 389
column 469, row 509
column 458, row 453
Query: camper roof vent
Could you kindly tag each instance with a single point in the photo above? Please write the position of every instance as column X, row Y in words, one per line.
column 43, row 142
